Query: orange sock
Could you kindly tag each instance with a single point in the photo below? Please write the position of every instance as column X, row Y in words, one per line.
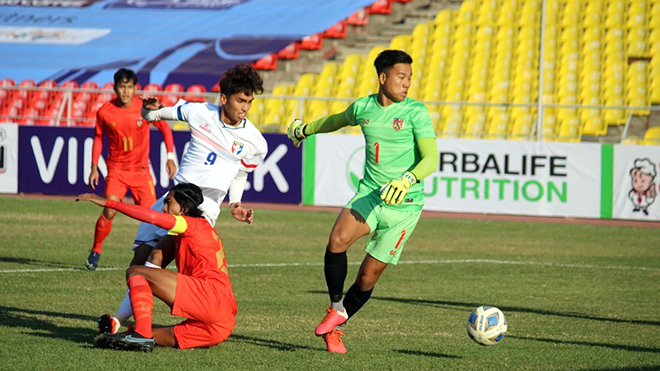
column 103, row 227
column 142, row 302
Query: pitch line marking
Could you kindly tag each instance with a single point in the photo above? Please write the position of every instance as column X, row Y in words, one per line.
column 404, row 262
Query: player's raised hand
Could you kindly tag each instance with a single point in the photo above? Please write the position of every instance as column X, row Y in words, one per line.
column 394, row 191
column 96, row 199
column 151, row 103
column 241, row 214
column 295, row 132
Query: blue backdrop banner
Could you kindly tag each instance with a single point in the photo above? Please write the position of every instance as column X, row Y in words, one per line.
column 184, row 41
column 58, row 160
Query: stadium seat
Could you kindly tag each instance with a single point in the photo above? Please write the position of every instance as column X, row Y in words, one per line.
column 153, row 88
column 593, row 13
column 266, row 63
column 401, row 42
column 359, row 18
column 274, row 108
column 312, row 42
column 176, row 91
column 25, row 94
column 291, row 51
column 195, row 89
column 497, row 124
column 296, row 108
column 443, row 17
column 6, row 91
column 652, row 136
column 381, row 7
column 336, row 31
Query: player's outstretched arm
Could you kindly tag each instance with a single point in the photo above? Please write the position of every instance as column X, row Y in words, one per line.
column 298, row 130
column 152, row 110
column 165, row 221
column 394, row 191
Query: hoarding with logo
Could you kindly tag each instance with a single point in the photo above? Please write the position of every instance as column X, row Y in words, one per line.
column 635, row 182
column 502, row 177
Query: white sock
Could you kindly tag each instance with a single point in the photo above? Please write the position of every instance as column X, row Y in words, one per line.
column 125, row 310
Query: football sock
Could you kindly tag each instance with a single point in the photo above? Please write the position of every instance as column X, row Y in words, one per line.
column 335, row 267
column 142, row 300
column 355, row 299
column 125, row 311
column 103, row 227
column 338, row 306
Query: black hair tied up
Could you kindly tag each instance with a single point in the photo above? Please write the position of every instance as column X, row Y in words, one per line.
column 189, row 196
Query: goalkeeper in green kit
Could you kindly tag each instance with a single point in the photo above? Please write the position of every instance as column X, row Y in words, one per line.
column 401, row 150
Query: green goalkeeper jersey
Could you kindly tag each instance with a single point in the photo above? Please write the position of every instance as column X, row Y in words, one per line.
column 390, row 135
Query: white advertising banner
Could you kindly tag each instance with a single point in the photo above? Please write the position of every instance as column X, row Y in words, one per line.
column 480, row 176
column 635, row 189
column 8, row 158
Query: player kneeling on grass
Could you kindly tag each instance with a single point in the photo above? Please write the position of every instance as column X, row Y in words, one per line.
column 201, row 290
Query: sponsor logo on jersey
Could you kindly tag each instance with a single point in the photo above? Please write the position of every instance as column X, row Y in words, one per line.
column 206, row 127
column 365, row 122
column 139, row 122
column 237, row 148
column 397, row 124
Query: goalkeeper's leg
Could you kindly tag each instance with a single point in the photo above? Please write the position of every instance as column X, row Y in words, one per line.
column 348, row 228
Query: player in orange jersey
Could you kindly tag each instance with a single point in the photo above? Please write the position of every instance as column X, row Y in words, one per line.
column 128, row 160
column 201, row 290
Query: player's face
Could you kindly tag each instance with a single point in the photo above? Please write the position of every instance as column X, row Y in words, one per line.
column 235, row 107
column 171, row 206
column 395, row 82
column 125, row 91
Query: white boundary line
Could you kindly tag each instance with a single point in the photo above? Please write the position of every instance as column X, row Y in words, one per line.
column 430, row 262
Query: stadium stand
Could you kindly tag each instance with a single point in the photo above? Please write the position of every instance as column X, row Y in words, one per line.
column 476, row 64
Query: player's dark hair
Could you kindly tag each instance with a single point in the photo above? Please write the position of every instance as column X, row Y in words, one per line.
column 388, row 58
column 242, row 78
column 125, row 74
column 189, row 197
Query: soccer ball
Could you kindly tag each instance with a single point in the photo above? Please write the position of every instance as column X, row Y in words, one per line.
column 486, row 325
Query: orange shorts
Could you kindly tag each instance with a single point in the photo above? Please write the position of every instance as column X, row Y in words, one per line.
column 139, row 182
column 210, row 308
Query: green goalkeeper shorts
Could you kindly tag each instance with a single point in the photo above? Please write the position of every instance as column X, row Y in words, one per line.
column 391, row 228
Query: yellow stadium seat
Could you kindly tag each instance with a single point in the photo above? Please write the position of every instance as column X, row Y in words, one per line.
column 652, row 136
column 549, row 124
column 523, row 121
column 274, row 108
column 486, row 13
column 569, row 129
column 475, row 124
column 571, row 14
column 530, row 13
column 444, row 17
column 401, row 42
column 593, row 14
column 593, row 123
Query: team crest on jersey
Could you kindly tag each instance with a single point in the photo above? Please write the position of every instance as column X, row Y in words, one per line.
column 139, row 122
column 365, row 122
column 397, row 124
column 237, row 148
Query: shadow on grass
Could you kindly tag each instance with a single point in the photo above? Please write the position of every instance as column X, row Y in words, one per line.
column 48, row 328
column 630, row 348
column 506, row 309
column 27, row 261
column 426, row 354
column 273, row 344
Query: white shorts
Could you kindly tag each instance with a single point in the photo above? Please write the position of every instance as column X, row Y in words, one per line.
column 150, row 234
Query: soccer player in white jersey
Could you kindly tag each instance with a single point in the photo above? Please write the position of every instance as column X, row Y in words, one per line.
column 224, row 147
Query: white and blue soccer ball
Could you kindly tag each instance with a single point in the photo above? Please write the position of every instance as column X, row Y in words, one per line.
column 486, row 325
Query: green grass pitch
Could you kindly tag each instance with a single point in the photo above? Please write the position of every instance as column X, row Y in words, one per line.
column 576, row 297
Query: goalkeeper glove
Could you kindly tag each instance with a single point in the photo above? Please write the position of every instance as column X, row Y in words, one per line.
column 295, row 132
column 394, row 191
